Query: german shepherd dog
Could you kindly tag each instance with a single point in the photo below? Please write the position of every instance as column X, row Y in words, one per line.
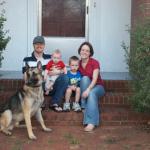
column 24, row 104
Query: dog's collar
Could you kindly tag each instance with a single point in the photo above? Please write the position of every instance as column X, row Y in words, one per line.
column 30, row 85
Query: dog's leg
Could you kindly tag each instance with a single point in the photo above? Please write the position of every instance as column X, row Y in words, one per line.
column 27, row 117
column 5, row 121
column 39, row 118
column 11, row 126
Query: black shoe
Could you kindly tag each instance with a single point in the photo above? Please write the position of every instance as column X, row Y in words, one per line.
column 56, row 108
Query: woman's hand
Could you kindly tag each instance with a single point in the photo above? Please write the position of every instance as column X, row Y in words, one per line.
column 85, row 94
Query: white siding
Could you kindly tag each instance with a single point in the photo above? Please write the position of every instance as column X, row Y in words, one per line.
column 22, row 24
column 16, row 13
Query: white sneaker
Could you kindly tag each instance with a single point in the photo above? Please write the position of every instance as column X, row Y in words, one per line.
column 66, row 107
column 76, row 107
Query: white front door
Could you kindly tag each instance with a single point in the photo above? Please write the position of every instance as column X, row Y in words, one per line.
column 64, row 24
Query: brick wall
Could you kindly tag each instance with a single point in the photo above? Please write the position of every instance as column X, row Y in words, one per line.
column 140, row 10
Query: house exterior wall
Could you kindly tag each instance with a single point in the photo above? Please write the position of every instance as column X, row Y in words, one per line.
column 22, row 24
column 107, row 25
column 108, row 30
column 16, row 14
column 140, row 9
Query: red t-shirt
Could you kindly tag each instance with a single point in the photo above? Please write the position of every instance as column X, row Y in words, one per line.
column 89, row 68
column 60, row 65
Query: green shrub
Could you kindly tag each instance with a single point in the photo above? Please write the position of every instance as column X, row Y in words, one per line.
column 138, row 60
column 3, row 39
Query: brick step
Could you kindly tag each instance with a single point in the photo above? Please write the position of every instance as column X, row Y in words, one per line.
column 117, row 85
column 118, row 99
column 109, row 116
column 124, row 115
column 10, row 84
column 109, row 98
column 110, row 85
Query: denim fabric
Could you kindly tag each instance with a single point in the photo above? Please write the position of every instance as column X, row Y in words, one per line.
column 59, row 89
column 91, row 103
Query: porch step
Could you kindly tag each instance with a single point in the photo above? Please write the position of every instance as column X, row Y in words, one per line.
column 109, row 116
column 117, row 85
column 110, row 85
column 115, row 105
column 10, row 84
column 119, row 99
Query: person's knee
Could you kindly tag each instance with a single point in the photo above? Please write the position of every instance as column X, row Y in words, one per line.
column 85, row 79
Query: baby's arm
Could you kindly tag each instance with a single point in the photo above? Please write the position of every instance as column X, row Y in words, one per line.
column 59, row 71
column 55, row 71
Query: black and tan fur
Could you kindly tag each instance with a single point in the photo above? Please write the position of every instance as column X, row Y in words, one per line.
column 24, row 104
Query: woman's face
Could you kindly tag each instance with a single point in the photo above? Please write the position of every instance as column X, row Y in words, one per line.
column 85, row 52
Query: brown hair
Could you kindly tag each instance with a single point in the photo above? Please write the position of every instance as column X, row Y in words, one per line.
column 89, row 45
column 74, row 58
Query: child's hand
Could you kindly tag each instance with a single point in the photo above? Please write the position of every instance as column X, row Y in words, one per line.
column 54, row 72
column 73, row 87
column 57, row 71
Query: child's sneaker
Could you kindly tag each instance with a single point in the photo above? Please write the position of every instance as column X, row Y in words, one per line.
column 66, row 107
column 76, row 107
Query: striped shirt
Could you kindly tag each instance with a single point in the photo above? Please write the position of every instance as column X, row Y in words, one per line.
column 32, row 61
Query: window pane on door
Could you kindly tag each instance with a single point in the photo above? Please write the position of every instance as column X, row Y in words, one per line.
column 63, row 18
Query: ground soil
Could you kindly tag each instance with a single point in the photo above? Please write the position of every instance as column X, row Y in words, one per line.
column 74, row 138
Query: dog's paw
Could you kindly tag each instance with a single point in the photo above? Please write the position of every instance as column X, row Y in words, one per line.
column 7, row 132
column 11, row 128
column 47, row 129
column 32, row 137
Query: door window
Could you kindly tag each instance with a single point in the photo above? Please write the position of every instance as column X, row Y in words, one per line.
column 63, row 18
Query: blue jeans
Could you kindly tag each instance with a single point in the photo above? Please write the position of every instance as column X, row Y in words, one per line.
column 91, row 103
column 59, row 89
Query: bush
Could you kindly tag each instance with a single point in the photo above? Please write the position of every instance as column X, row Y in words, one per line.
column 3, row 40
column 138, row 60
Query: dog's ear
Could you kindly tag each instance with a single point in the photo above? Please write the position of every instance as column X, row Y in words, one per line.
column 27, row 66
column 39, row 65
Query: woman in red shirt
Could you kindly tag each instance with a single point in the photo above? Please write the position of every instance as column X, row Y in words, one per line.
column 91, row 86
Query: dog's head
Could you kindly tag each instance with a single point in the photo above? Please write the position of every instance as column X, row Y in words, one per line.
column 34, row 76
